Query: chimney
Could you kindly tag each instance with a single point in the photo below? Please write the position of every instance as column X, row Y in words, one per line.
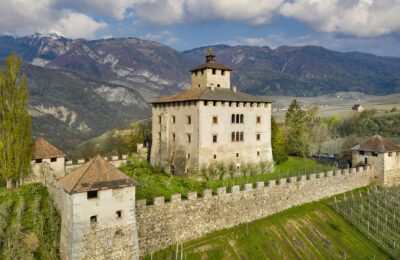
column 234, row 88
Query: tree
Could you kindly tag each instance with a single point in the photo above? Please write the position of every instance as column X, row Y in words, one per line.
column 298, row 133
column 15, row 123
column 279, row 146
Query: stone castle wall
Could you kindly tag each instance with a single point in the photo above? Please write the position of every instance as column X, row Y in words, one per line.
column 114, row 160
column 166, row 223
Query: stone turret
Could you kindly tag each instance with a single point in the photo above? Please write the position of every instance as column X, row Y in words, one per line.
column 47, row 156
column 98, row 213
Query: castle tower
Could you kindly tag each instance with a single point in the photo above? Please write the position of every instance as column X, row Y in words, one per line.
column 98, row 213
column 383, row 155
column 46, row 154
column 211, row 122
column 211, row 74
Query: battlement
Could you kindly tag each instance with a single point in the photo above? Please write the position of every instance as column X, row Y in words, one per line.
column 186, row 217
column 117, row 161
column 261, row 187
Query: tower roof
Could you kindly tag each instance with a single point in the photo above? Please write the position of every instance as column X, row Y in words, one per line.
column 377, row 144
column 218, row 94
column 45, row 150
column 96, row 174
column 210, row 62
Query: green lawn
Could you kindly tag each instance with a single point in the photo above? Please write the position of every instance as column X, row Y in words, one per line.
column 310, row 231
column 29, row 224
column 152, row 183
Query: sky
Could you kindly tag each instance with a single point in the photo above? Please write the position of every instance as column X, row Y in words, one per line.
column 346, row 25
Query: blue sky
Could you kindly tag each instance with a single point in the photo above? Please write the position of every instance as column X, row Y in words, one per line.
column 345, row 25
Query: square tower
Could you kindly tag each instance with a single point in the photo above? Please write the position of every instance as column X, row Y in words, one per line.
column 98, row 213
column 47, row 157
column 210, row 122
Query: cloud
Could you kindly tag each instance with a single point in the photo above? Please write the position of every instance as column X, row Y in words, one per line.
column 163, row 12
column 165, row 37
column 255, row 12
column 362, row 18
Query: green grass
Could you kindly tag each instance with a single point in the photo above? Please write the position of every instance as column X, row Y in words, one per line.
column 310, row 231
column 152, row 183
column 29, row 224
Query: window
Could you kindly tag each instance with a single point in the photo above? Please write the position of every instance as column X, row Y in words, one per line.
column 93, row 219
column 199, row 85
column 215, row 156
column 241, row 118
column 189, row 120
column 215, row 120
column 241, row 136
column 159, row 119
column 173, row 137
column 119, row 213
column 390, row 154
column 237, row 118
column 206, row 103
column 173, row 119
column 230, row 104
column 39, row 160
column 258, row 153
column 189, row 138
column 258, row 137
column 92, row 194
column 188, row 155
column 218, row 85
column 53, row 159
column 215, row 103
column 214, row 71
column 362, row 152
column 215, row 138
column 237, row 155
column 233, row 137
column 233, row 118
column 374, row 154
column 222, row 72
column 237, row 136
column 258, row 119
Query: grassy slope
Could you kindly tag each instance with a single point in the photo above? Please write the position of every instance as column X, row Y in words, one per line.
column 310, row 231
column 151, row 183
column 29, row 224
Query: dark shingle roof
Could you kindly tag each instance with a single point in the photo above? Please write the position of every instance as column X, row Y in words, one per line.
column 377, row 144
column 96, row 174
column 45, row 150
column 218, row 94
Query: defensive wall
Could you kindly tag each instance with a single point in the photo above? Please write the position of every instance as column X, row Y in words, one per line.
column 166, row 223
column 117, row 161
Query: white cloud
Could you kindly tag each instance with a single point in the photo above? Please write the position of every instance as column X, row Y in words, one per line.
column 252, row 11
column 165, row 37
column 354, row 17
column 162, row 12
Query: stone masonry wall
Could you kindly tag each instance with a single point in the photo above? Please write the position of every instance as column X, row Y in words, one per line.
column 166, row 223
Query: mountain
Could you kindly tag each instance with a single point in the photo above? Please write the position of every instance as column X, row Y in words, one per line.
column 68, row 109
column 81, row 88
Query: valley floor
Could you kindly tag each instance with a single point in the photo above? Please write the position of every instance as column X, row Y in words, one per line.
column 311, row 231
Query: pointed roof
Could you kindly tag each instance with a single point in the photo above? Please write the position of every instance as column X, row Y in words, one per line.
column 218, row 94
column 210, row 62
column 45, row 150
column 377, row 144
column 96, row 174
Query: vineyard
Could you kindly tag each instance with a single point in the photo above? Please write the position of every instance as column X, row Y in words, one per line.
column 376, row 213
column 29, row 224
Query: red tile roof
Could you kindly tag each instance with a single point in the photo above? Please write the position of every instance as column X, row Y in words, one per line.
column 45, row 150
column 96, row 174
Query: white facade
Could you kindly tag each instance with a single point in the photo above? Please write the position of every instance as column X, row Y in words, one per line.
column 99, row 228
column 198, row 129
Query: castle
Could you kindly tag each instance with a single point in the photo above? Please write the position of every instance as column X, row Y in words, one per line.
column 210, row 122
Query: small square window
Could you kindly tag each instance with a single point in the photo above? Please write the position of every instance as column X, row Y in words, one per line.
column 188, row 155
column 222, row 72
column 362, row 152
column 258, row 137
column 214, row 71
column 215, row 120
column 92, row 194
column 237, row 155
column 258, row 119
column 173, row 119
column 215, row 156
column 214, row 103
column 38, row 160
column 206, row 103
column 215, row 138
column 54, row 159
column 218, row 85
column 390, row 154
column 119, row 213
column 258, row 153
column 93, row 219
column 189, row 120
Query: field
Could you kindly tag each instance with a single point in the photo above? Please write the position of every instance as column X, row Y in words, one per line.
column 29, row 224
column 310, row 231
column 376, row 213
column 152, row 183
column 340, row 104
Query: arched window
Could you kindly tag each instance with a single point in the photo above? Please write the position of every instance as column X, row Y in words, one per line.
column 233, row 137
column 241, row 118
column 237, row 119
column 237, row 136
column 233, row 119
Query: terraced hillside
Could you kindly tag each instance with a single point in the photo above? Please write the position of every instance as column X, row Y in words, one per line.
column 29, row 224
column 311, row 231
